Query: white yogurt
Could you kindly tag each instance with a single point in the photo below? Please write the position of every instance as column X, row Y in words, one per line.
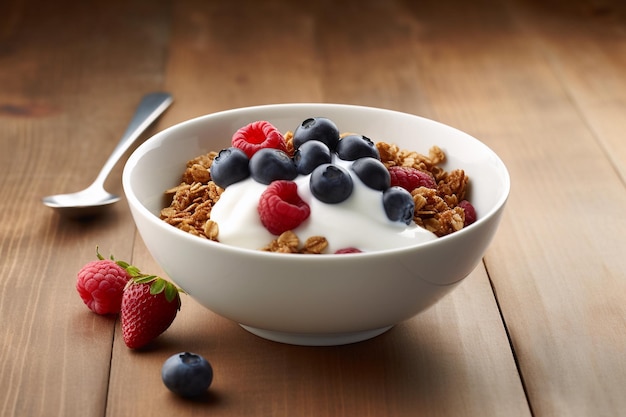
column 360, row 221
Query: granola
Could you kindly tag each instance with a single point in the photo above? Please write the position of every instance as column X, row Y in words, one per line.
column 436, row 210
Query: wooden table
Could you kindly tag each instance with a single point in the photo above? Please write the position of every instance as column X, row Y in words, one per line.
column 539, row 329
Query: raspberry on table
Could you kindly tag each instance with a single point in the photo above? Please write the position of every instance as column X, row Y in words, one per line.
column 100, row 284
column 258, row 135
column 281, row 208
column 410, row 178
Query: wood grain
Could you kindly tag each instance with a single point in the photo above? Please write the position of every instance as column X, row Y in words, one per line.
column 539, row 329
column 527, row 95
column 71, row 75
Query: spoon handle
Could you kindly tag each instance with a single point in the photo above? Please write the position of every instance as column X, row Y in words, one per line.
column 152, row 105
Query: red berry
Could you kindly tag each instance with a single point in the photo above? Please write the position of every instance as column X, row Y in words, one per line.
column 470, row 212
column 149, row 306
column 348, row 250
column 281, row 208
column 100, row 285
column 410, row 178
column 258, row 135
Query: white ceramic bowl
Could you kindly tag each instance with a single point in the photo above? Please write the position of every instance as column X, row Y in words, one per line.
column 314, row 299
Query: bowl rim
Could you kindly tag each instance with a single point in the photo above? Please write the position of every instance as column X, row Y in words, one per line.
column 138, row 153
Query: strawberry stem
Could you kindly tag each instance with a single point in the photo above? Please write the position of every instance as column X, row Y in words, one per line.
column 157, row 284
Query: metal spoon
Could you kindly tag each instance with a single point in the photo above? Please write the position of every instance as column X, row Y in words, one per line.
column 93, row 199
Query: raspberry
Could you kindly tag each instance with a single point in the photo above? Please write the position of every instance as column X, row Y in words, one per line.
column 348, row 250
column 258, row 135
column 101, row 284
column 410, row 178
column 470, row 212
column 281, row 208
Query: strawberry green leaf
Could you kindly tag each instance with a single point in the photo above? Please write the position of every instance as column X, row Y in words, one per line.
column 144, row 279
column 157, row 286
column 170, row 292
column 123, row 264
column 133, row 271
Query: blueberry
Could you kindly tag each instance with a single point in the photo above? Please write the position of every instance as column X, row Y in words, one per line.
column 316, row 128
column 372, row 172
column 353, row 147
column 398, row 204
column 330, row 183
column 187, row 374
column 231, row 165
column 269, row 164
column 310, row 155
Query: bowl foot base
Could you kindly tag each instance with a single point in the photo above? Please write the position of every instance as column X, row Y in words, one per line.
column 316, row 339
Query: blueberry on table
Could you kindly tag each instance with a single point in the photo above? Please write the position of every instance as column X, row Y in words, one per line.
column 399, row 205
column 330, row 183
column 310, row 155
column 316, row 128
column 231, row 165
column 353, row 147
column 372, row 173
column 187, row 374
column 269, row 164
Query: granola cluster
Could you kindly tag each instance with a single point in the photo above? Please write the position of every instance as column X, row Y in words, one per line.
column 288, row 242
column 193, row 199
column 436, row 210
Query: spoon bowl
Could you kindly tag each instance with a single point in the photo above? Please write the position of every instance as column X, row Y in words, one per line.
column 91, row 201
column 94, row 199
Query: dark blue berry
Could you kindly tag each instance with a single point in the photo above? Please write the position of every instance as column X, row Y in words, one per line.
column 231, row 165
column 353, row 147
column 372, row 173
column 269, row 164
column 187, row 374
column 330, row 183
column 310, row 155
column 316, row 128
column 398, row 204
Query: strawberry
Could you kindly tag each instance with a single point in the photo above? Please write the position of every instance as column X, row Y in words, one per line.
column 100, row 285
column 410, row 178
column 149, row 306
column 281, row 208
column 258, row 135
